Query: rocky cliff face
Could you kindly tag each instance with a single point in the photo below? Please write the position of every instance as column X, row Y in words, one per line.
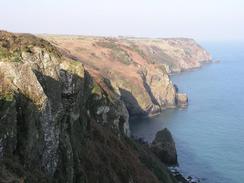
column 60, row 124
column 137, row 68
column 177, row 54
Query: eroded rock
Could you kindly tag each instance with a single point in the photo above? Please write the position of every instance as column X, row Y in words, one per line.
column 181, row 99
column 164, row 148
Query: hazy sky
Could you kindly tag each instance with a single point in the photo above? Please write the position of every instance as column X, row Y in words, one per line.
column 199, row 19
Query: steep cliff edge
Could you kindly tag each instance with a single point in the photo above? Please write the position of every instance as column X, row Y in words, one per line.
column 137, row 68
column 59, row 124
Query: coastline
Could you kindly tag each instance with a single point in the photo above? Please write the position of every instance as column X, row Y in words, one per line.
column 62, row 82
column 151, row 115
column 193, row 69
column 175, row 170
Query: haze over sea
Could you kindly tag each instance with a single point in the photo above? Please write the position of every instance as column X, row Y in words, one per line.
column 209, row 133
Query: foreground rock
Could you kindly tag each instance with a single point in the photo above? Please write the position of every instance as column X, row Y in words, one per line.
column 59, row 124
column 164, row 148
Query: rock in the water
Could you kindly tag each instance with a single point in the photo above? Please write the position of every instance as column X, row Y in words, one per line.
column 181, row 99
column 163, row 147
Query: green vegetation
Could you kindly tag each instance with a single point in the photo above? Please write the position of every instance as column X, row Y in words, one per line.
column 110, row 44
column 122, row 56
column 138, row 50
column 7, row 97
column 6, row 93
column 12, row 56
column 27, row 42
column 159, row 56
column 116, row 51
column 96, row 89
column 3, row 53
column 162, row 68
column 12, row 46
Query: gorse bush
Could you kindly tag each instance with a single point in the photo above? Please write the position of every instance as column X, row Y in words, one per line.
column 117, row 52
column 6, row 93
column 12, row 46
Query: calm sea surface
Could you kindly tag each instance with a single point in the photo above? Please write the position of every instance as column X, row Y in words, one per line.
column 209, row 133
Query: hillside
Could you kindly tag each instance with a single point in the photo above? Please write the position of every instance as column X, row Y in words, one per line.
column 58, row 124
column 137, row 68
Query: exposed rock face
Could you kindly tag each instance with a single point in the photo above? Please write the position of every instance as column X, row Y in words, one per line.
column 59, row 124
column 181, row 99
column 163, row 147
column 137, row 68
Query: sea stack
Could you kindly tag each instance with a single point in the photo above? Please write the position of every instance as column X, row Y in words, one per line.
column 163, row 146
column 181, row 99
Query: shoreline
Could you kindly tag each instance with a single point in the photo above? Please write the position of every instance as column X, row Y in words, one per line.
column 179, row 175
column 193, row 68
column 175, row 170
column 150, row 115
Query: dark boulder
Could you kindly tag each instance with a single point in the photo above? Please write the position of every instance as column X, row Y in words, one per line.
column 163, row 146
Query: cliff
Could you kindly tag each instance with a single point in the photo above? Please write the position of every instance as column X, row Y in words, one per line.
column 61, row 123
column 137, row 68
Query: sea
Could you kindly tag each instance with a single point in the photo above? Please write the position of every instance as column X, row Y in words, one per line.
column 209, row 133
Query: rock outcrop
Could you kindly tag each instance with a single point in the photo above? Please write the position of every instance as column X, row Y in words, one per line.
column 60, row 124
column 137, row 68
column 163, row 146
column 181, row 99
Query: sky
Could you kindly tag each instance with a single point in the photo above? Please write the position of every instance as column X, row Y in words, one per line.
column 198, row 19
